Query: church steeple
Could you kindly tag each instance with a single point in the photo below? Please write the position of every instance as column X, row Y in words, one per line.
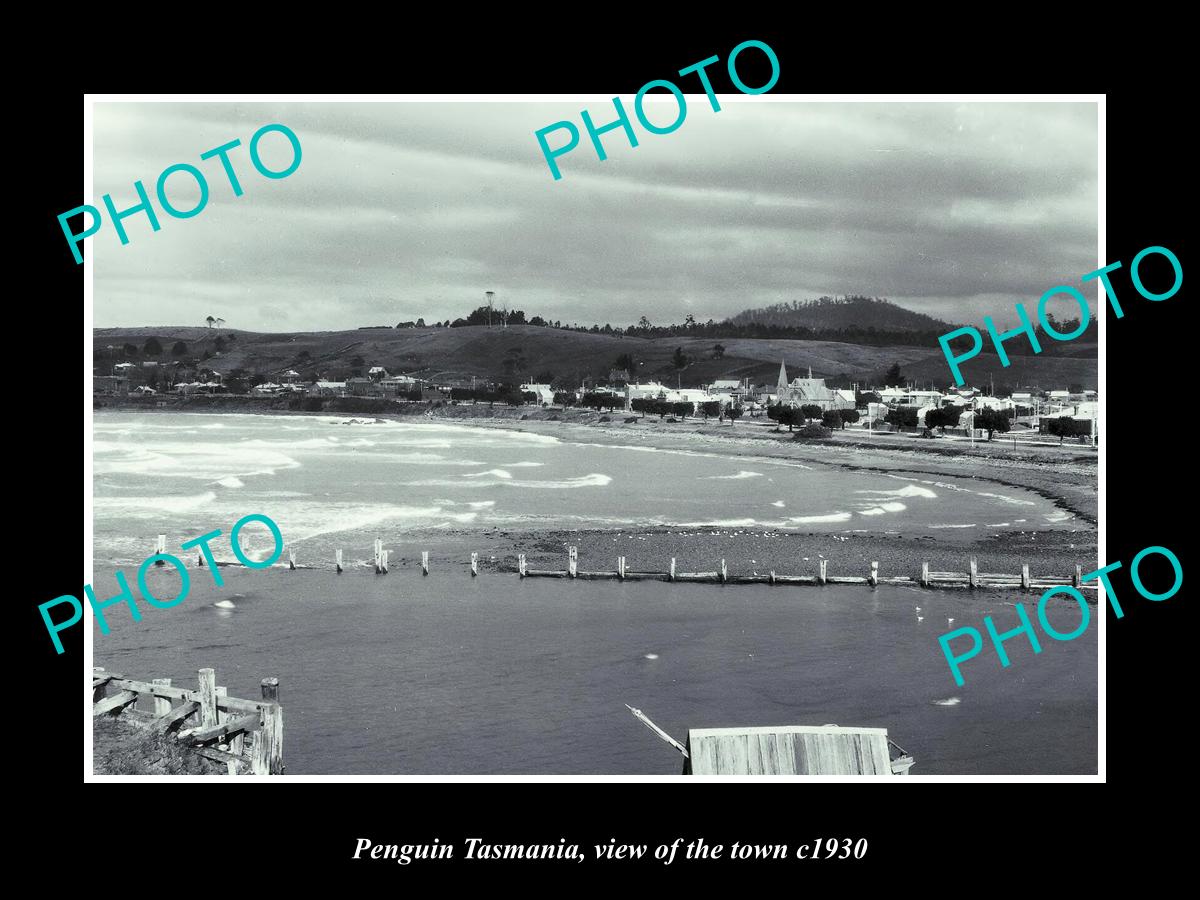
column 783, row 382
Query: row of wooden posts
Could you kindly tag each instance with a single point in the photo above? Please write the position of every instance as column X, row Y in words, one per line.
column 223, row 724
column 972, row 578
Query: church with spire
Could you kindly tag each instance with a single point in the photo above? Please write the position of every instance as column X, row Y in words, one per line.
column 810, row 391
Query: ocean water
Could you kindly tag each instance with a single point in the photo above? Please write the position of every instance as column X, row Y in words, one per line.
column 344, row 481
column 448, row 674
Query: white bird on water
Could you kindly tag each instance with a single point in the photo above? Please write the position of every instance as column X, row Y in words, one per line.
column 917, row 608
column 920, row 618
column 949, row 621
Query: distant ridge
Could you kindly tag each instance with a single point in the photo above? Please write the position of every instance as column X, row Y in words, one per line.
column 852, row 313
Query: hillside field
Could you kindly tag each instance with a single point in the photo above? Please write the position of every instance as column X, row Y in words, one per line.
column 460, row 353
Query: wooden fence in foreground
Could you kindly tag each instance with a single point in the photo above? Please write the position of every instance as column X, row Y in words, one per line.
column 219, row 723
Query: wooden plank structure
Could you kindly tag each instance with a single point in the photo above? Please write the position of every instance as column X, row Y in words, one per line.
column 792, row 750
column 786, row 750
column 972, row 579
column 220, row 723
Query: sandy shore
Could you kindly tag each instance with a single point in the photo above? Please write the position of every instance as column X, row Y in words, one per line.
column 1065, row 475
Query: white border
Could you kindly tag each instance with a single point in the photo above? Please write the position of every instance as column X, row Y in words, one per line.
column 88, row 292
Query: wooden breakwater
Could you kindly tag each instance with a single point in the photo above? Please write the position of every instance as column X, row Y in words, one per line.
column 927, row 578
column 246, row 735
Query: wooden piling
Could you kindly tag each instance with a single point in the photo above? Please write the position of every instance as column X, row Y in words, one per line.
column 521, row 564
column 724, row 573
column 268, row 748
column 207, row 695
column 162, row 705
column 572, row 562
column 1077, row 578
column 671, row 577
column 199, row 560
column 873, row 578
column 822, row 572
column 621, row 568
column 160, row 546
column 771, row 577
column 292, row 560
column 270, row 689
column 474, row 563
column 925, row 574
column 424, row 562
column 973, row 575
column 1025, row 576
column 337, row 557
column 385, row 561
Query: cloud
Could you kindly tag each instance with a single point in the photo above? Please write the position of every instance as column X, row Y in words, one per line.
column 406, row 210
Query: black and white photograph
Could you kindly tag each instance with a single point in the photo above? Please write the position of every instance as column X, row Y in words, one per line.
column 470, row 436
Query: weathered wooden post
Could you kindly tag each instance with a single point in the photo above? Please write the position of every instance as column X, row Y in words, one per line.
column 621, row 567
column 1077, row 578
column 572, row 561
column 474, row 563
column 162, row 705
column 925, row 574
column 671, row 577
column 98, row 693
column 771, row 577
column 337, row 561
column 207, row 696
column 873, row 578
column 424, row 562
column 1025, row 576
column 199, row 560
column 385, row 561
column 291, row 560
column 724, row 574
column 821, row 571
column 521, row 564
column 973, row 576
column 228, row 743
column 160, row 546
column 268, row 749
column 378, row 555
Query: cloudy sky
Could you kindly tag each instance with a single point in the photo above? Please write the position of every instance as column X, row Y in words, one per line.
column 407, row 210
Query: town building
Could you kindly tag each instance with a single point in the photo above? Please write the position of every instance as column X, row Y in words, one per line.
column 808, row 392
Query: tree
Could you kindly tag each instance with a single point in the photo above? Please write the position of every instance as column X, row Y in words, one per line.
column 710, row 408
column 942, row 417
column 152, row 347
column 682, row 409
column 832, row 418
column 643, row 324
column 543, row 377
column 625, row 361
column 718, row 351
column 680, row 360
column 810, row 411
column 733, row 412
column 179, row 348
column 218, row 322
column 862, row 398
column 991, row 420
column 848, row 415
column 893, row 376
column 210, row 320
column 784, row 415
column 130, row 350
column 902, row 417
column 420, row 323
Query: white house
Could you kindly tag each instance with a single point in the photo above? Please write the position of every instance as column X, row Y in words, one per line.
column 545, row 394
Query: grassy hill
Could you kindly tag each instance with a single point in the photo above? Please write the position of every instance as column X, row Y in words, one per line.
column 450, row 353
column 836, row 313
